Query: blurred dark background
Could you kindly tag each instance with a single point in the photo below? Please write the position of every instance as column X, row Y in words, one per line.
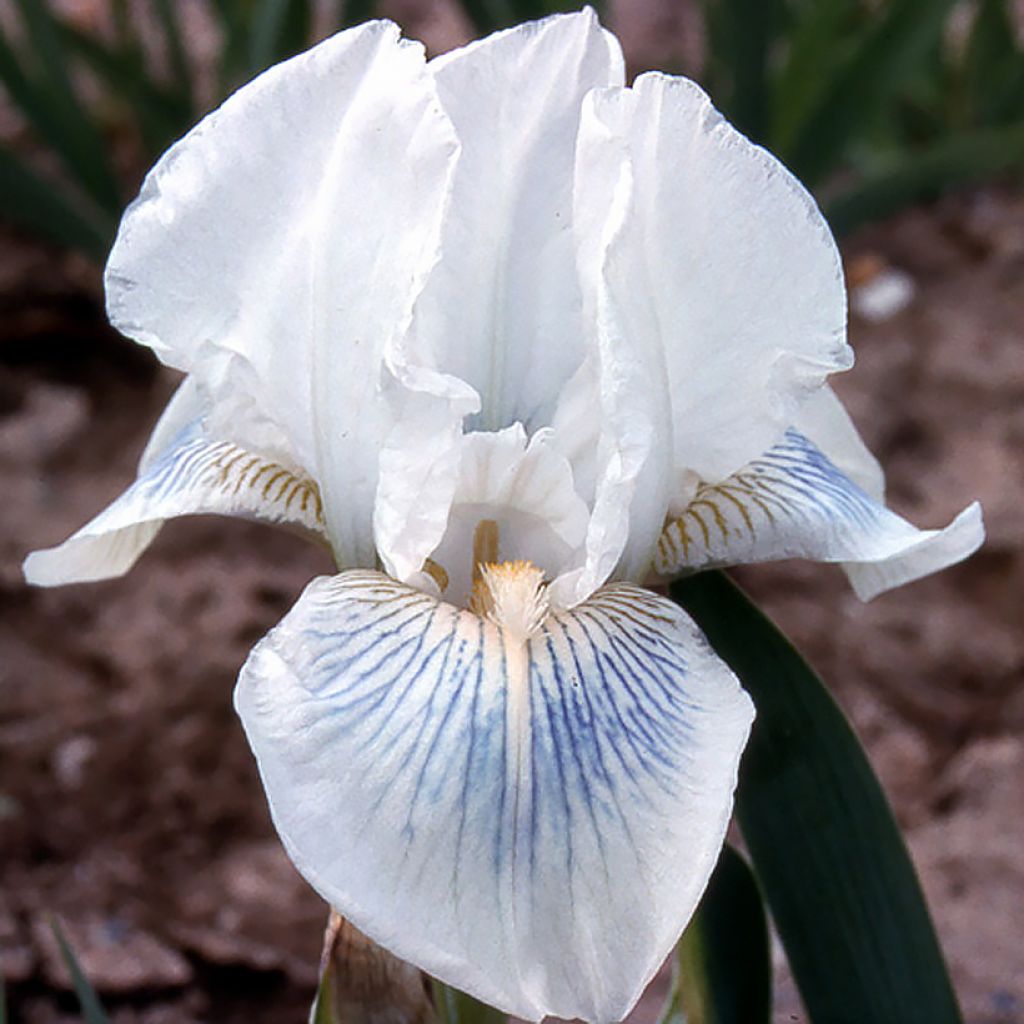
column 129, row 803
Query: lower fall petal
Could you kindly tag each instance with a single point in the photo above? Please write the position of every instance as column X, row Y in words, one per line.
column 531, row 819
column 793, row 502
column 191, row 475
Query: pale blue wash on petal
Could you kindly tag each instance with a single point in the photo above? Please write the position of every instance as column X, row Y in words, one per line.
column 193, row 476
column 792, row 502
column 500, row 826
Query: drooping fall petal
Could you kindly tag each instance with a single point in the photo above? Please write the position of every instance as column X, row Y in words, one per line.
column 193, row 476
column 183, row 471
column 495, row 807
column 792, row 502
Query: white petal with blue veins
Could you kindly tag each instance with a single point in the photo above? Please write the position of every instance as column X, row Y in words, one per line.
column 533, row 821
column 793, row 502
column 191, row 474
column 824, row 421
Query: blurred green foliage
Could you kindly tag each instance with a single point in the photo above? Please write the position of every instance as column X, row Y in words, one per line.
column 824, row 846
column 88, row 1001
column 72, row 189
column 873, row 103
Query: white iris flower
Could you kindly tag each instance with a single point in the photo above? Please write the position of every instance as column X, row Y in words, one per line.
column 511, row 338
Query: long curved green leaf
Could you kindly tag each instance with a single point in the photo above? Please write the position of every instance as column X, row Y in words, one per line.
column 455, row 1007
column 279, row 29
column 30, row 201
column 993, row 66
column 888, row 54
column 322, row 1011
column 162, row 115
column 177, row 55
column 743, row 34
column 827, row 851
column 966, row 157
column 723, row 961
column 69, row 128
column 819, row 40
column 92, row 1011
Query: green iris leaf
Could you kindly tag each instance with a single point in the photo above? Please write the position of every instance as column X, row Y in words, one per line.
column 88, row 1001
column 826, row 849
column 723, row 969
column 455, row 1007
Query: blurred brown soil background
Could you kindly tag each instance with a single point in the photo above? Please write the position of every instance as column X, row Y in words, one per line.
column 129, row 802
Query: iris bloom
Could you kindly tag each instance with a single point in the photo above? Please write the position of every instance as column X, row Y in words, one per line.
column 512, row 339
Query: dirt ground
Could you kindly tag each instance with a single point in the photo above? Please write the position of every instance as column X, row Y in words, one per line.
column 129, row 802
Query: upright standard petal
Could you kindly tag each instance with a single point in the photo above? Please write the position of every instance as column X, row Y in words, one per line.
column 500, row 798
column 514, row 98
column 292, row 229
column 500, row 312
column 792, row 502
column 614, row 420
column 743, row 277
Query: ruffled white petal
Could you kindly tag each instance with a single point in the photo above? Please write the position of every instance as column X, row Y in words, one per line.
column 531, row 821
column 525, row 487
column 827, row 425
column 188, row 475
column 500, row 312
column 290, row 231
column 918, row 554
column 742, row 277
column 614, row 420
column 502, row 307
column 792, row 502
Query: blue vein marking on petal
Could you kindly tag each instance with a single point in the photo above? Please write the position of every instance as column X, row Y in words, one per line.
column 193, row 463
column 384, row 690
column 643, row 661
column 414, row 748
column 422, row 693
column 651, row 728
column 466, row 779
column 794, row 482
column 565, row 701
column 560, row 795
column 600, row 735
column 616, row 726
column 812, row 475
column 343, row 642
column 631, row 734
column 640, row 731
column 374, row 668
column 409, row 680
column 427, row 718
column 653, row 757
